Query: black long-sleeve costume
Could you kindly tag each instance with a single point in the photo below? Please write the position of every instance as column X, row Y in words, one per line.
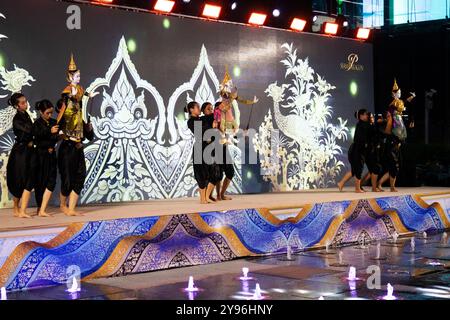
column 390, row 152
column 19, row 170
column 357, row 153
column 71, row 162
column 45, row 159
column 373, row 156
column 203, row 173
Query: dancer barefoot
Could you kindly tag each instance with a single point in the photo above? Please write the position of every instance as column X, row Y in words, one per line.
column 71, row 160
column 198, row 125
column 358, row 151
column 45, row 131
column 19, row 170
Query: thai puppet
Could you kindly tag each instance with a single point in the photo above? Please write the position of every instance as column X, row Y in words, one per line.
column 227, row 114
column 396, row 108
column 71, row 110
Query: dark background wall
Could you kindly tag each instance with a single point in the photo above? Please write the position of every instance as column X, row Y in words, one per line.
column 418, row 55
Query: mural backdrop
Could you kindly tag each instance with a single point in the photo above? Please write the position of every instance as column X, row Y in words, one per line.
column 147, row 67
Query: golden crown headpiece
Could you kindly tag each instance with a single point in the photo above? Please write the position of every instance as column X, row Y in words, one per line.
column 395, row 86
column 72, row 66
column 227, row 77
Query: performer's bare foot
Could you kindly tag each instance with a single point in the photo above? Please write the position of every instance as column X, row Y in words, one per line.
column 340, row 185
column 23, row 214
column 224, row 197
column 44, row 214
column 16, row 212
column 73, row 213
column 380, row 188
column 376, row 189
column 64, row 209
column 212, row 199
column 203, row 202
column 393, row 189
column 359, row 191
column 219, row 198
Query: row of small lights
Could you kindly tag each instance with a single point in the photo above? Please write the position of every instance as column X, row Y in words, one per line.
column 211, row 11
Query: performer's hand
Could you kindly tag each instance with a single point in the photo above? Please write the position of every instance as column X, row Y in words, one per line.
column 54, row 129
column 214, row 125
column 93, row 94
column 74, row 91
column 255, row 99
column 411, row 124
column 413, row 94
column 89, row 127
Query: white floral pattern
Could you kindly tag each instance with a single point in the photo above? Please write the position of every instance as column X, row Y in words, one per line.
column 306, row 154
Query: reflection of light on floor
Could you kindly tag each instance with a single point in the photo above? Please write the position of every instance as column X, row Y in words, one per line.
column 436, row 292
column 302, row 291
column 278, row 290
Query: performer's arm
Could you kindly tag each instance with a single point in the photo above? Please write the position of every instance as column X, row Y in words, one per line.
column 88, row 131
column 23, row 129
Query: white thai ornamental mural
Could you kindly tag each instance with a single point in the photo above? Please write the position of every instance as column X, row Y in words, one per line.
column 134, row 156
column 11, row 81
column 308, row 142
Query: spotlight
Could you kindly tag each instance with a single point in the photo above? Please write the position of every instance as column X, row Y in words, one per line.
column 164, row 5
column 276, row 13
column 257, row 18
column 345, row 24
column 186, row 1
column 233, row 5
column 331, row 28
column 363, row 33
column 298, row 24
column 105, row 1
column 314, row 19
column 211, row 11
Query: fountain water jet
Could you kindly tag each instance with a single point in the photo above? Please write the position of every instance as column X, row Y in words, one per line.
column 3, row 295
column 390, row 293
column 191, row 287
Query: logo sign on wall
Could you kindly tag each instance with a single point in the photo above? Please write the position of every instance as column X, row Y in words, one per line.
column 351, row 64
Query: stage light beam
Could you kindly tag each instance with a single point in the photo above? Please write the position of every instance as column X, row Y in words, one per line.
column 363, row 33
column 276, row 13
column 257, row 18
column 298, row 24
column 233, row 5
column 211, row 11
column 331, row 28
column 164, row 5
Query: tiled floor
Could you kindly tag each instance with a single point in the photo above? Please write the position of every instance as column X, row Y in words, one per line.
column 308, row 276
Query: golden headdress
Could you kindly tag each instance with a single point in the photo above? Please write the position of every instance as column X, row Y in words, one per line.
column 227, row 77
column 72, row 66
column 395, row 86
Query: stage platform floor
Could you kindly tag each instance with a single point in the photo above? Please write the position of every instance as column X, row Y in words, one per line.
column 274, row 201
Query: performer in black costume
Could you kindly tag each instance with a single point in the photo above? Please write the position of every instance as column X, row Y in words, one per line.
column 45, row 132
column 358, row 153
column 201, row 170
column 71, row 160
column 19, row 170
column 227, row 168
column 390, row 157
column 373, row 157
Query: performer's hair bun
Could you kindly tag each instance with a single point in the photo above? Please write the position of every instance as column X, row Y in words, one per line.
column 43, row 105
column 217, row 104
column 204, row 105
column 191, row 105
column 14, row 100
column 360, row 113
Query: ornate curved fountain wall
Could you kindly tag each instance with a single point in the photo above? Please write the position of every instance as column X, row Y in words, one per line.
column 126, row 246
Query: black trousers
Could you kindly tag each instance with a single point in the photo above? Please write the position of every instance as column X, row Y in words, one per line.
column 72, row 167
column 20, row 169
column 45, row 178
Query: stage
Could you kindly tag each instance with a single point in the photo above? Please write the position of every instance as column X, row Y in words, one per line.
column 118, row 240
column 277, row 203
